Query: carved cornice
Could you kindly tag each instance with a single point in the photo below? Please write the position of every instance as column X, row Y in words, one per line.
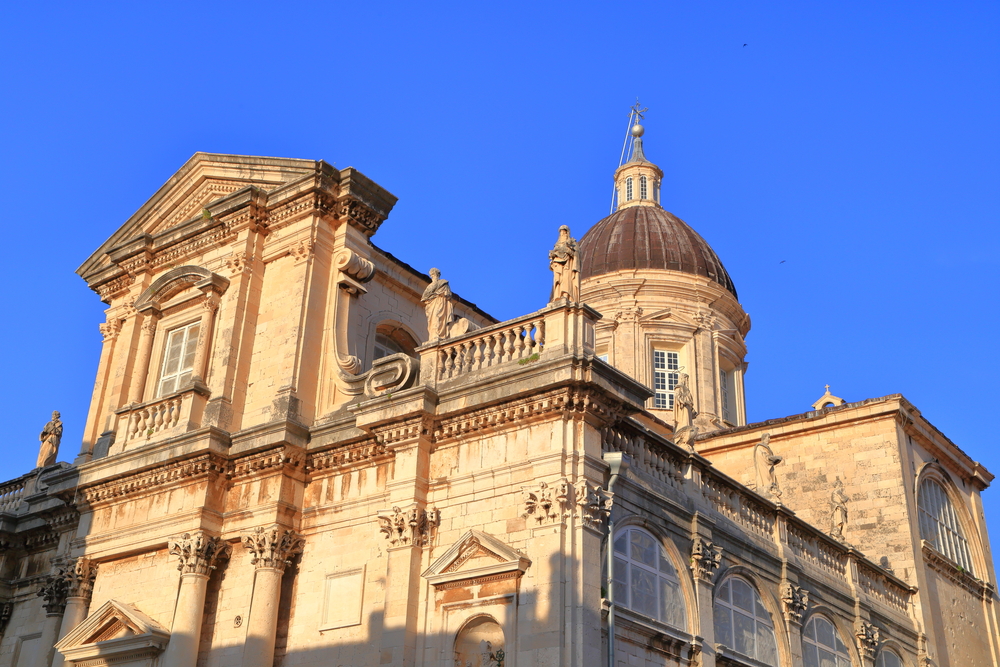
column 705, row 559
column 411, row 527
column 566, row 401
column 280, row 458
column 357, row 213
column 115, row 286
column 347, row 455
column 149, row 480
column 273, row 547
column 197, row 553
column 953, row 573
column 402, row 431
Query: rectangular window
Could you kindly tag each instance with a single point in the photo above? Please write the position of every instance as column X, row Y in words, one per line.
column 724, row 387
column 178, row 358
column 628, row 189
column 666, row 373
column 642, row 188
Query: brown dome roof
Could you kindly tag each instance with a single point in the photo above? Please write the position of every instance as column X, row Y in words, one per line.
column 647, row 237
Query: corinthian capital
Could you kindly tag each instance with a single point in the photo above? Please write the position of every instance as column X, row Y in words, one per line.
column 79, row 574
column 54, row 591
column 273, row 547
column 196, row 553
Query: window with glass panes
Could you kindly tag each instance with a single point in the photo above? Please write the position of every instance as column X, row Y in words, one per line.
column 724, row 386
column 628, row 189
column 939, row 524
column 887, row 658
column 645, row 581
column 643, row 188
column 666, row 373
column 821, row 645
column 178, row 358
column 385, row 346
column 742, row 623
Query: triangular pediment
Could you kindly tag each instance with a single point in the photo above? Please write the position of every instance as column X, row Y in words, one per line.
column 476, row 555
column 115, row 628
column 205, row 178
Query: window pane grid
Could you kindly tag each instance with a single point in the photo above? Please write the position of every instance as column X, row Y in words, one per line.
column 821, row 645
column 645, row 581
column 665, row 378
column 741, row 623
column 939, row 524
column 178, row 358
column 642, row 188
column 628, row 189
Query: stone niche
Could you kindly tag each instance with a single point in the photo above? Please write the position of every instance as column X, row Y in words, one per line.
column 116, row 634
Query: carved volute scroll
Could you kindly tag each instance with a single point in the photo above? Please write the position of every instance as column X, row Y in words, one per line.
column 705, row 559
column 353, row 270
column 411, row 527
column 197, row 553
column 794, row 601
column 273, row 547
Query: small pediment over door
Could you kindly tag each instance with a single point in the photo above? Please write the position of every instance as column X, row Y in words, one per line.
column 116, row 633
column 476, row 558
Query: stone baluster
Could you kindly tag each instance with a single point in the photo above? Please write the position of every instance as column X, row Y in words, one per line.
column 54, row 591
column 196, row 554
column 79, row 575
column 141, row 369
column 200, row 365
column 272, row 550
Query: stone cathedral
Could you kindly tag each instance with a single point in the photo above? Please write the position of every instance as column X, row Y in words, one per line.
column 302, row 451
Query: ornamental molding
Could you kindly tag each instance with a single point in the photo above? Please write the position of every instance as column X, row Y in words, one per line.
column 794, row 601
column 556, row 502
column 474, row 559
column 954, row 573
column 355, row 453
column 240, row 263
column 115, row 286
column 706, row 558
column 868, row 637
column 280, row 458
column 566, row 402
column 273, row 547
column 54, row 590
column 206, row 465
column 300, row 250
column 410, row 527
column 196, row 553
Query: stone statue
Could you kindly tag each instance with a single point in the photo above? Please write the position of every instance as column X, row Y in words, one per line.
column 50, row 437
column 563, row 261
column 438, row 306
column 685, row 437
column 764, row 462
column 683, row 403
column 838, row 510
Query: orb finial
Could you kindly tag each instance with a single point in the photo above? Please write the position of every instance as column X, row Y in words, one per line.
column 637, row 130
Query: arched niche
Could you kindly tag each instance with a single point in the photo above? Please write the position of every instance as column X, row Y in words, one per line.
column 480, row 643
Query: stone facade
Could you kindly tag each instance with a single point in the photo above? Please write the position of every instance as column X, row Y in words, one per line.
column 281, row 468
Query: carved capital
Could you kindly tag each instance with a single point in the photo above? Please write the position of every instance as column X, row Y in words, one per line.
column 299, row 251
column 149, row 326
column 273, row 547
column 239, row 263
column 211, row 302
column 594, row 503
column 54, row 590
column 197, row 553
column 110, row 329
column 705, row 559
column 868, row 637
column 79, row 574
column 794, row 601
column 545, row 503
column 408, row 527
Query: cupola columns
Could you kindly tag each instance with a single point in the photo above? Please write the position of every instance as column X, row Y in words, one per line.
column 637, row 182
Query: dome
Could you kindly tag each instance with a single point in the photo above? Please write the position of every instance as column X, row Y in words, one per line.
column 647, row 237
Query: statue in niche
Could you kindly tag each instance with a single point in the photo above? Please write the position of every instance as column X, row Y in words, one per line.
column 50, row 437
column 684, row 413
column 838, row 510
column 565, row 270
column 764, row 463
column 437, row 306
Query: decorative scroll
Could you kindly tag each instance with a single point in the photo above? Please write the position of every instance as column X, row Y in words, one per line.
column 388, row 374
column 705, row 559
column 409, row 527
column 197, row 553
column 273, row 547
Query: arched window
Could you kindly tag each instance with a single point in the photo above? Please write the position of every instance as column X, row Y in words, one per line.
column 939, row 524
column 742, row 623
column 645, row 581
column 643, row 188
column 391, row 339
column 887, row 658
column 480, row 643
column 821, row 645
column 628, row 189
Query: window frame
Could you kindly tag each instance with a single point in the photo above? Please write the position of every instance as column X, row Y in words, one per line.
column 942, row 528
column 729, row 606
column 817, row 645
column 628, row 189
column 624, row 579
column 189, row 347
column 670, row 377
column 643, row 187
column 880, row 658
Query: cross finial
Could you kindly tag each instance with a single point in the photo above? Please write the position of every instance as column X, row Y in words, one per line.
column 638, row 110
column 827, row 387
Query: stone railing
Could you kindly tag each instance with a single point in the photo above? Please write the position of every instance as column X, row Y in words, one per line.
column 563, row 328
column 11, row 494
column 165, row 416
column 653, row 457
column 737, row 506
column 881, row 588
column 817, row 551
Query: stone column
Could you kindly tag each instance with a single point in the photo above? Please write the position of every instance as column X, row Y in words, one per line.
column 54, row 591
column 272, row 549
column 79, row 575
column 196, row 554
column 200, row 366
column 140, row 370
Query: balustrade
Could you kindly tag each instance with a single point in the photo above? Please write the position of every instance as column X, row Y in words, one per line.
column 11, row 494
column 147, row 420
column 485, row 348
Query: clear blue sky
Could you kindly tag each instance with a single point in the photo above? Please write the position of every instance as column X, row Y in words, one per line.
column 843, row 164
